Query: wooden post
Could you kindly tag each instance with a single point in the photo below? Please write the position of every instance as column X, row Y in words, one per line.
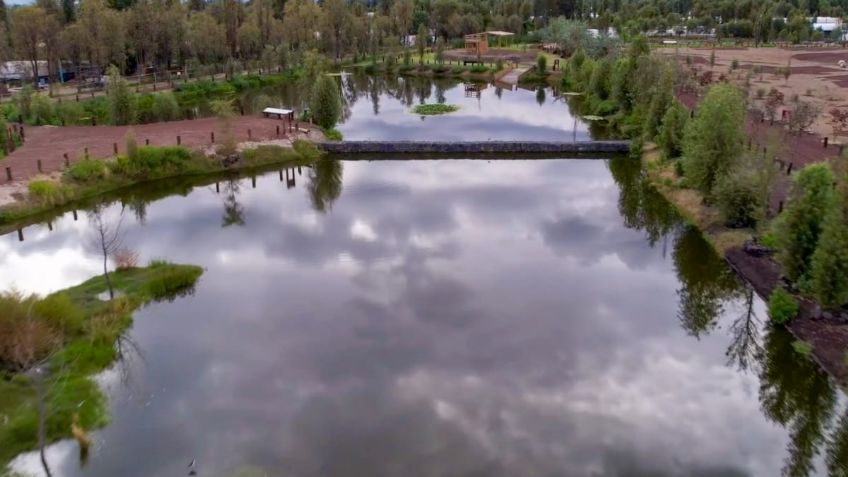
column 281, row 175
column 23, row 136
column 20, row 235
column 249, row 135
column 780, row 207
column 9, row 174
column 278, row 130
column 217, row 188
column 86, row 153
column 253, row 181
column 115, row 147
column 93, row 121
column 789, row 169
column 212, row 137
column 825, row 142
column 147, row 142
column 74, row 212
column 67, row 160
column 40, row 169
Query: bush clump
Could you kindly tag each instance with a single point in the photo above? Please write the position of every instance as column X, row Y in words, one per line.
column 434, row 109
column 782, row 306
column 45, row 192
column 171, row 282
column 87, row 170
column 149, row 162
column 738, row 200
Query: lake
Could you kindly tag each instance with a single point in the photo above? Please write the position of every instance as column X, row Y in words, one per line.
column 438, row 318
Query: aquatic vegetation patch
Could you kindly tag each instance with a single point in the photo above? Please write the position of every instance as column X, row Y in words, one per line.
column 435, row 109
column 72, row 334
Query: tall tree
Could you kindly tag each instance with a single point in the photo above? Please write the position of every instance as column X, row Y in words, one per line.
column 712, row 143
column 29, row 25
column 800, row 225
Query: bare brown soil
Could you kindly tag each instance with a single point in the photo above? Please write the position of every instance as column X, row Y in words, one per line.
column 50, row 143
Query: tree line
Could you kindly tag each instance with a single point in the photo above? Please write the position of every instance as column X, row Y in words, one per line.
column 142, row 35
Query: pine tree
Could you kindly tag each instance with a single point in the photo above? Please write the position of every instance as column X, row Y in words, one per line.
column 801, row 224
column 326, row 105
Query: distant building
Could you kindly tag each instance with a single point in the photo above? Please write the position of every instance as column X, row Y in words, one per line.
column 826, row 24
column 20, row 71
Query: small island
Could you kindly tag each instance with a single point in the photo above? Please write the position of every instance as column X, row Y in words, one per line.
column 50, row 348
column 435, row 109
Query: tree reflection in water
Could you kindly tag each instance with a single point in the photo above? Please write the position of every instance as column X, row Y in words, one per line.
column 233, row 210
column 794, row 391
column 325, row 183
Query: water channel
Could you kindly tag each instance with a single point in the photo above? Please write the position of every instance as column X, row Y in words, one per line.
column 439, row 318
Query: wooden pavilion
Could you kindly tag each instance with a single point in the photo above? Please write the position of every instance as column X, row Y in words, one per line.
column 477, row 44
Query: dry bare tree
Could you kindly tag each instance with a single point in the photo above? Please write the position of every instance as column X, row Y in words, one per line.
column 106, row 239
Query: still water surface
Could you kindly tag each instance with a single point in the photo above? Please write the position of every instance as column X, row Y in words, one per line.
column 440, row 318
column 380, row 108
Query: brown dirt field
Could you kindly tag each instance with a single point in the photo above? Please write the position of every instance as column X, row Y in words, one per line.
column 50, row 143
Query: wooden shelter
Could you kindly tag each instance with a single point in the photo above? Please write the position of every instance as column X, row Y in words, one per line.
column 477, row 44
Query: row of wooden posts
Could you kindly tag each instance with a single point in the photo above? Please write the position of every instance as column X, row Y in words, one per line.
column 67, row 160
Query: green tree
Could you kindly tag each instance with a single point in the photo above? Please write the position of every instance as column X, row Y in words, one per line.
column 421, row 41
column 829, row 267
column 712, row 143
column 122, row 99
column 800, row 226
column 660, row 102
column 326, row 104
column 670, row 136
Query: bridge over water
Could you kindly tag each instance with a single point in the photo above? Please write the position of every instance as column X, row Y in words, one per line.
column 473, row 147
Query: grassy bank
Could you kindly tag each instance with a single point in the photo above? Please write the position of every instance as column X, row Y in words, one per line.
column 690, row 203
column 77, row 335
column 91, row 178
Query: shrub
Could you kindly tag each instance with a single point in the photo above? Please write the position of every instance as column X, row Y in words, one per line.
column 150, row 161
column 71, row 113
column 800, row 225
column 333, row 134
column 670, row 136
column 479, row 69
column 803, row 116
column 87, row 170
column 782, row 306
column 326, row 105
column 803, row 348
column 499, row 65
column 599, row 83
column 42, row 110
column 542, row 64
column 712, row 142
column 61, row 313
column 47, row 192
column 738, row 199
column 457, row 70
column 306, row 150
column 165, row 107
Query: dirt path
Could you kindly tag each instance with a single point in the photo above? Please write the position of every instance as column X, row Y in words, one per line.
column 50, row 143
